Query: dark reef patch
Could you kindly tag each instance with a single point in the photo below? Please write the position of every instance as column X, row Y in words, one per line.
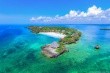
column 31, row 56
column 8, row 52
column 25, row 60
column 6, row 70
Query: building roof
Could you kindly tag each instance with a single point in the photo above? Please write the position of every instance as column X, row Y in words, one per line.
column 54, row 45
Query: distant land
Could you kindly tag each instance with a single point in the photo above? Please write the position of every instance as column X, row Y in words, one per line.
column 105, row 29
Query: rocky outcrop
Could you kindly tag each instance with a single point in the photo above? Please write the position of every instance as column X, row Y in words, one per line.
column 51, row 52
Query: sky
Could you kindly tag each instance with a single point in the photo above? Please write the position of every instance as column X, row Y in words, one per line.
column 54, row 11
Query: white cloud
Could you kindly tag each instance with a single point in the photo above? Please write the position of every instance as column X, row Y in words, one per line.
column 94, row 15
column 94, row 11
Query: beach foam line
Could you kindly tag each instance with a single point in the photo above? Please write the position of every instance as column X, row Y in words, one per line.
column 53, row 34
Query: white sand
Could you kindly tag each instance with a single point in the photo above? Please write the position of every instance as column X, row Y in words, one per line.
column 53, row 34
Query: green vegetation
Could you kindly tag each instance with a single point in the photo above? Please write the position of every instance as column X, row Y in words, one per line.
column 72, row 35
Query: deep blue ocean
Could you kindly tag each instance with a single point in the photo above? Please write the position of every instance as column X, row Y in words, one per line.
column 20, row 50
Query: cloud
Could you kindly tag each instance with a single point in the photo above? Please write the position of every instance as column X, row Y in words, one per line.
column 94, row 15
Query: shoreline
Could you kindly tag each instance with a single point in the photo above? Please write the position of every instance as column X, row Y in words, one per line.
column 53, row 34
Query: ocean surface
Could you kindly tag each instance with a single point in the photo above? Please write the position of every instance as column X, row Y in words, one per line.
column 20, row 51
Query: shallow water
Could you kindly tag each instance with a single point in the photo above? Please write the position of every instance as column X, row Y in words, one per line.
column 20, row 51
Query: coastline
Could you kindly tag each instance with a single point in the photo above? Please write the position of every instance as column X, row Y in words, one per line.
column 53, row 34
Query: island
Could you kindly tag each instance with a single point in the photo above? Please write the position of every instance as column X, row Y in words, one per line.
column 105, row 29
column 66, row 35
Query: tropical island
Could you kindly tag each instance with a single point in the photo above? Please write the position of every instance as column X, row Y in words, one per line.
column 66, row 35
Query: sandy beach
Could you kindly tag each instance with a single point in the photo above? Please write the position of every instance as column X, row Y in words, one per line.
column 53, row 34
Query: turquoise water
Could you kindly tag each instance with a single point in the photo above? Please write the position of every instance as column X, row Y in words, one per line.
column 20, row 51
